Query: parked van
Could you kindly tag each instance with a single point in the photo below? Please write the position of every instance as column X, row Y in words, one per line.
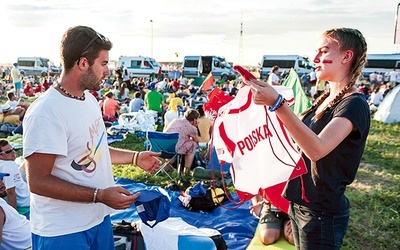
column 285, row 62
column 139, row 66
column 381, row 63
column 38, row 66
column 195, row 66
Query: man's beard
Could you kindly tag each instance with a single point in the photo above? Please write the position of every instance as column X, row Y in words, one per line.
column 3, row 194
column 89, row 81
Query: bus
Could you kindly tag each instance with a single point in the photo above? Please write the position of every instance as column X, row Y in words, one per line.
column 38, row 66
column 381, row 63
column 285, row 62
column 139, row 66
column 195, row 66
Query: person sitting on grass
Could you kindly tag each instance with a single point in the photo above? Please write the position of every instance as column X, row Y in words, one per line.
column 189, row 137
column 136, row 103
column 173, row 111
column 15, row 230
column 17, row 107
column 17, row 188
column 8, row 117
column 110, row 107
column 272, row 221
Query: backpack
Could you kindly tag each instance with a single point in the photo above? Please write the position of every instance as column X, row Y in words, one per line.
column 204, row 196
column 127, row 236
column 219, row 242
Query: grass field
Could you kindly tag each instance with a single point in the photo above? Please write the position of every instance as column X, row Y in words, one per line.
column 374, row 195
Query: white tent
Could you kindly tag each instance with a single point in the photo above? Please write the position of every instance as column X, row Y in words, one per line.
column 389, row 109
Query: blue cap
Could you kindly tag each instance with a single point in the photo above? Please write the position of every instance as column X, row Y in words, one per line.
column 152, row 86
column 3, row 174
column 15, row 64
column 197, row 190
column 152, row 207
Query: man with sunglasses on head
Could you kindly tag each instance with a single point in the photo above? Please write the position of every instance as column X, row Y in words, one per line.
column 15, row 231
column 18, row 192
column 68, row 160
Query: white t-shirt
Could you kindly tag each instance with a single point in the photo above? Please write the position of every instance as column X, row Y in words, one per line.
column 15, row 180
column 125, row 75
column 13, row 104
column 379, row 78
column 165, row 235
column 273, row 78
column 75, row 132
column 15, row 75
column 161, row 85
column 376, row 98
column 169, row 116
column 393, row 76
column 125, row 94
column 16, row 229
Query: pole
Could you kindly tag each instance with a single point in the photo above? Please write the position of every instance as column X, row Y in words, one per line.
column 151, row 21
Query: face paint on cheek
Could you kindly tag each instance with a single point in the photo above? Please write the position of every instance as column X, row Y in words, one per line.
column 327, row 61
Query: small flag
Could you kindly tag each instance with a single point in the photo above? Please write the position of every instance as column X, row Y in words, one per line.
column 208, row 82
column 301, row 101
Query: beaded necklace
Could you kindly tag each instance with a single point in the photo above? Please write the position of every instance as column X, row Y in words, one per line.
column 80, row 98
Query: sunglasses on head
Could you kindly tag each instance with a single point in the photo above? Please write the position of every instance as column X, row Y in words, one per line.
column 96, row 36
column 7, row 151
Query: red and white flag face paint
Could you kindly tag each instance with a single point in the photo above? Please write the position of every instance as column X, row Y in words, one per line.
column 327, row 61
column 263, row 155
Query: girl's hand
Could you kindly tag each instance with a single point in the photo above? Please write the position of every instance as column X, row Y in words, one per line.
column 263, row 93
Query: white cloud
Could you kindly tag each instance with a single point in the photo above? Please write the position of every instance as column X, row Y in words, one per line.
column 194, row 27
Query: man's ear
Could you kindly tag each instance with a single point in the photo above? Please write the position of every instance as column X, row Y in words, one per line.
column 83, row 63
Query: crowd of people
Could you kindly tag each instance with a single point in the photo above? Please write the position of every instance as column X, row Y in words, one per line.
column 374, row 89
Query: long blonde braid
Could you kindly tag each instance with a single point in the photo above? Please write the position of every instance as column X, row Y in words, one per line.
column 347, row 39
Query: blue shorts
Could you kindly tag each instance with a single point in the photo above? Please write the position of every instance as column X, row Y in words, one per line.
column 17, row 85
column 97, row 237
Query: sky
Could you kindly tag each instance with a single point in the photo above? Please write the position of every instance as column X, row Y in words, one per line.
column 170, row 30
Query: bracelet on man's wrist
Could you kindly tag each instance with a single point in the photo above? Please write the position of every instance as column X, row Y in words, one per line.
column 135, row 158
column 278, row 103
column 95, row 195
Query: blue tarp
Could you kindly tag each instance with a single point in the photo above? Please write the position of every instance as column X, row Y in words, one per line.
column 236, row 224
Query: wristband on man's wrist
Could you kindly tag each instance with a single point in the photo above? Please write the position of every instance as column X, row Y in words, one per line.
column 95, row 195
column 135, row 158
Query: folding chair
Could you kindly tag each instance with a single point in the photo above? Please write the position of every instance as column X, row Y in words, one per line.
column 164, row 143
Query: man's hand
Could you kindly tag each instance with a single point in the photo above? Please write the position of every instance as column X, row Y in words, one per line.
column 116, row 197
column 148, row 161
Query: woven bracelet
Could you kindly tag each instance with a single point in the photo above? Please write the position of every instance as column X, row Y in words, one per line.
column 278, row 103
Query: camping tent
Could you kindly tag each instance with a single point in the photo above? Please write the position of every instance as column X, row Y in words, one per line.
column 389, row 109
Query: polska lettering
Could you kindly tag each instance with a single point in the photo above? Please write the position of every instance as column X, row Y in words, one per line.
column 250, row 141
